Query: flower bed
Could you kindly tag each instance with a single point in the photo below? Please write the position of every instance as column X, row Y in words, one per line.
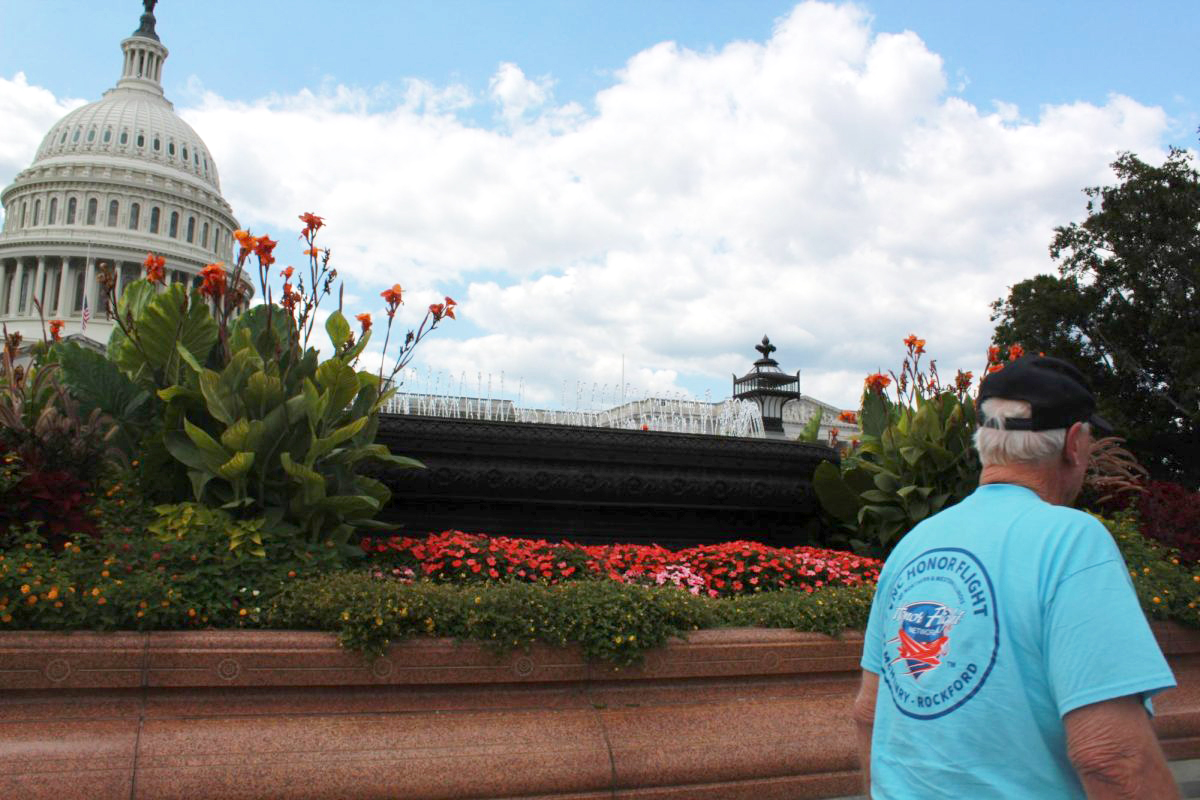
column 722, row 570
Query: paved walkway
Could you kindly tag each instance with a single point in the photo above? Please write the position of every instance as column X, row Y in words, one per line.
column 1187, row 774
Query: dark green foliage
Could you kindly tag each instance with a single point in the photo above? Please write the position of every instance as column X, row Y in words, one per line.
column 1125, row 308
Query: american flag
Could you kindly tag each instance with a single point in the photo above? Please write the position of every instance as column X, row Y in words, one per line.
column 87, row 314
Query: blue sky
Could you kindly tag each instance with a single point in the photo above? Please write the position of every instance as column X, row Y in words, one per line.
column 1027, row 52
column 592, row 196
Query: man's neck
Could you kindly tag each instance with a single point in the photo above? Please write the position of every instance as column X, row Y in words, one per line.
column 1042, row 482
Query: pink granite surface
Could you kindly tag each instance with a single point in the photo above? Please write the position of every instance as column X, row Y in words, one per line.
column 728, row 714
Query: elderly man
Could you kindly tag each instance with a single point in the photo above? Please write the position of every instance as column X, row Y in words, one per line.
column 1015, row 660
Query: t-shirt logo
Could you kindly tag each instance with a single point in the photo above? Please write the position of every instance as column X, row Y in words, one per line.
column 924, row 635
column 942, row 608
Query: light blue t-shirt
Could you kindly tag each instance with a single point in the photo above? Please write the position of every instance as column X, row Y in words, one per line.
column 992, row 620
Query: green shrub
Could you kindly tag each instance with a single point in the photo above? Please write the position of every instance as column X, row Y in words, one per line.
column 609, row 621
column 1165, row 588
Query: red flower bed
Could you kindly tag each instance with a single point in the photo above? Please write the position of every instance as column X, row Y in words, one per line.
column 720, row 570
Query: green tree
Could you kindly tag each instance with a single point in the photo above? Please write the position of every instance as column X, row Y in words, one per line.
column 1125, row 308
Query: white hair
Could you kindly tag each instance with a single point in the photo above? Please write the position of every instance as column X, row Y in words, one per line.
column 998, row 446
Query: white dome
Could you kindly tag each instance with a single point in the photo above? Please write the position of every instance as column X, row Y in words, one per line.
column 111, row 181
column 134, row 124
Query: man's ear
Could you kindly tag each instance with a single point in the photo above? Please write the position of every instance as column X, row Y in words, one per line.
column 1077, row 448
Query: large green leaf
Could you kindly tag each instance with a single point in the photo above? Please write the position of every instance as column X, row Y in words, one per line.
column 876, row 413
column 835, row 496
column 338, row 329
column 255, row 327
column 339, row 383
column 236, row 467
column 373, row 488
column 207, row 444
column 243, row 435
column 134, row 298
column 349, row 505
column 175, row 316
column 263, row 393
column 311, row 482
column 221, row 403
column 96, row 382
column 324, row 444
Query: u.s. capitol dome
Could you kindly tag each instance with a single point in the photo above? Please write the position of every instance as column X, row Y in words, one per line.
column 111, row 181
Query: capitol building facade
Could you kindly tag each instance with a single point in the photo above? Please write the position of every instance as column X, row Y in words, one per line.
column 111, row 181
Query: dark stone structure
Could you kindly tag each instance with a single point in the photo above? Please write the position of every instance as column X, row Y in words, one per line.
column 599, row 484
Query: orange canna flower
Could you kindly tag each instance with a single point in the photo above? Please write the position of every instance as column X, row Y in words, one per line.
column 1015, row 351
column 245, row 239
column 920, row 346
column 877, row 382
column 312, row 224
column 393, row 297
column 911, row 340
column 313, row 251
column 213, row 277
column 56, row 326
column 995, row 368
column 962, row 381
column 365, row 320
column 263, row 248
column 848, row 416
column 154, row 268
column 993, row 354
column 286, row 272
column 440, row 310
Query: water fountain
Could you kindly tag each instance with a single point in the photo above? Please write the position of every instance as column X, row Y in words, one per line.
column 612, row 463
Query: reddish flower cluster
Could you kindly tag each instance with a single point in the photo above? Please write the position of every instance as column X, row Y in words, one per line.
column 727, row 569
column 848, row 416
column 915, row 345
column 261, row 246
column 440, row 310
column 213, row 277
column 154, row 268
column 995, row 364
column 56, row 326
column 393, row 297
column 364, row 319
column 312, row 224
column 877, row 382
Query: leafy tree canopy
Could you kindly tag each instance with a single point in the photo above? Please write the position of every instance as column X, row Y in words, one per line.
column 1125, row 308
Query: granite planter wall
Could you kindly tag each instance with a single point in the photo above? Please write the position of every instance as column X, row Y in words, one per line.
column 742, row 713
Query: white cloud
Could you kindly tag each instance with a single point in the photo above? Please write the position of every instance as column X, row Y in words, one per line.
column 27, row 112
column 822, row 187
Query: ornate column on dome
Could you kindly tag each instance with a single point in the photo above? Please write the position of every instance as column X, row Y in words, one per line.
column 770, row 387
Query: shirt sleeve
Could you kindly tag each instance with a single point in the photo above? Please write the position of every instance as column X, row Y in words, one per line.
column 872, row 657
column 1098, row 644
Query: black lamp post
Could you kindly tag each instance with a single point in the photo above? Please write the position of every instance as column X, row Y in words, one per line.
column 770, row 387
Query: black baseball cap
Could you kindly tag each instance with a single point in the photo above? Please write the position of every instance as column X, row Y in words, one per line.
column 1057, row 392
